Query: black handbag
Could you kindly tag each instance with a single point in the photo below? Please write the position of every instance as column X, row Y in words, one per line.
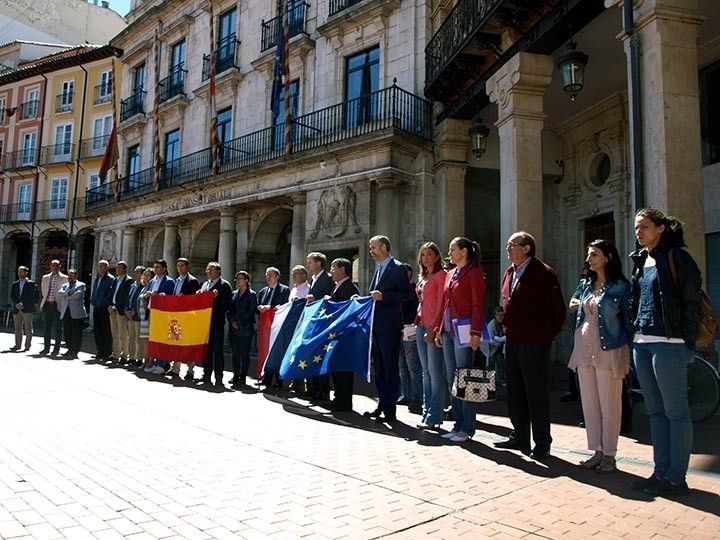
column 472, row 384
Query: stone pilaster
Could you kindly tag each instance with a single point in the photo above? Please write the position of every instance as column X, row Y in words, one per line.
column 451, row 148
column 387, row 209
column 227, row 245
column 185, row 233
column 668, row 33
column 170, row 245
column 242, row 233
column 518, row 89
column 297, row 240
column 129, row 248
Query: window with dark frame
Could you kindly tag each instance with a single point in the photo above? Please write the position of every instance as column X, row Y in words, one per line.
column 362, row 79
column 710, row 113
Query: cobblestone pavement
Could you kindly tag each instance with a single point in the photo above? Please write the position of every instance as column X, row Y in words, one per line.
column 89, row 451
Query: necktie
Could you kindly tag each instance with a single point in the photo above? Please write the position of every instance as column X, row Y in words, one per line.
column 376, row 278
column 178, row 285
column 272, row 292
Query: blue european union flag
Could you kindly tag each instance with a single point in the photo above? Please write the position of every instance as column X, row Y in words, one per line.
column 331, row 336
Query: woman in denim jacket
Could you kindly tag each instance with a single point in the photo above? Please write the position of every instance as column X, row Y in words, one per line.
column 665, row 314
column 601, row 354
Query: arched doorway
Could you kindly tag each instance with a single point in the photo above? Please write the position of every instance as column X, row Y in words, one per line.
column 270, row 245
column 53, row 245
column 205, row 247
column 155, row 249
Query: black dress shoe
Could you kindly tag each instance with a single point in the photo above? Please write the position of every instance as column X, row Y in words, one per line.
column 372, row 414
column 56, row 352
column 540, row 452
column 645, row 483
column 44, row 351
column 388, row 419
column 14, row 348
column 512, row 444
column 663, row 488
column 415, row 408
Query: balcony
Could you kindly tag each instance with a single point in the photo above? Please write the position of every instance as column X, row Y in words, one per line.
column 391, row 108
column 102, row 93
column 21, row 159
column 57, row 153
column 64, row 102
column 16, row 213
column 336, row 6
column 173, row 85
column 297, row 15
column 224, row 57
column 29, row 110
column 53, row 210
column 132, row 105
column 95, row 147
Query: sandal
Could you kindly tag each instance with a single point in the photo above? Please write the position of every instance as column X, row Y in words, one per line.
column 593, row 462
column 607, row 465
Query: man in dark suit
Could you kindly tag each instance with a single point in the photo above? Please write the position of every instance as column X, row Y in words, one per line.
column 185, row 283
column 241, row 330
column 321, row 285
column 132, row 316
column 389, row 287
column 161, row 283
column 116, row 311
column 534, row 315
column 100, row 299
column 344, row 289
column 24, row 296
column 223, row 298
column 275, row 294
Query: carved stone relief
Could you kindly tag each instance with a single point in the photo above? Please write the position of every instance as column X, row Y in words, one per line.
column 336, row 211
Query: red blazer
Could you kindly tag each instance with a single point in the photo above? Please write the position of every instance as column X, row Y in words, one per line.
column 466, row 298
column 535, row 313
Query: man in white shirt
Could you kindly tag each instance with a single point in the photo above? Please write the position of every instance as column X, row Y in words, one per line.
column 301, row 287
column 49, row 287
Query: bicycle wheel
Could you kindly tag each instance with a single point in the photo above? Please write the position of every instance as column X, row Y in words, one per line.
column 703, row 389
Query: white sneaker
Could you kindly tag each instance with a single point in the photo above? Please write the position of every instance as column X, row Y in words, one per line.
column 449, row 435
column 460, row 437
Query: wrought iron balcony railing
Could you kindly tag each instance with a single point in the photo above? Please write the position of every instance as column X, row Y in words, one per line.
column 455, row 32
column 64, row 102
column 95, row 147
column 29, row 110
column 224, row 57
column 53, row 209
column 16, row 213
column 173, row 85
column 102, row 93
column 388, row 108
column 57, row 153
column 21, row 159
column 132, row 105
column 297, row 15
column 336, row 6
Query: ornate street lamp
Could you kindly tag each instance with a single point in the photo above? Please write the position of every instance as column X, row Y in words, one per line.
column 572, row 67
column 478, row 139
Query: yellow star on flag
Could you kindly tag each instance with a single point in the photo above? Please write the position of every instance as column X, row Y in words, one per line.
column 322, row 312
column 302, row 364
column 317, row 359
column 327, row 347
column 332, row 336
column 292, row 359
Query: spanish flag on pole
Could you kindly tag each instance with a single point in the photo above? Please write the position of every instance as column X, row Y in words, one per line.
column 180, row 327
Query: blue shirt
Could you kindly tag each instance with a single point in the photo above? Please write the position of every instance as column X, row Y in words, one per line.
column 381, row 267
column 518, row 271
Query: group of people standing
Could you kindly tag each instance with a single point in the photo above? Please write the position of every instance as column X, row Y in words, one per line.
column 651, row 318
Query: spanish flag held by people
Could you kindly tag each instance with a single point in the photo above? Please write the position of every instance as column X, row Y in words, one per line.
column 180, row 327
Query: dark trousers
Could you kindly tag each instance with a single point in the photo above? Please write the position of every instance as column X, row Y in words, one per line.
column 240, row 346
column 385, row 354
column 101, row 329
column 73, row 333
column 343, row 383
column 319, row 386
column 526, row 368
column 215, row 360
column 53, row 330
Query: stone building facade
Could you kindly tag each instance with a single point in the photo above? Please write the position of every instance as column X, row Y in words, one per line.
column 362, row 155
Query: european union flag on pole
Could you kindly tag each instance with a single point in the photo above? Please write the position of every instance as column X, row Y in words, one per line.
column 331, row 336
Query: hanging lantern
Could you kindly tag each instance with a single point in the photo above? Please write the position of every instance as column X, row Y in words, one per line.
column 572, row 67
column 478, row 139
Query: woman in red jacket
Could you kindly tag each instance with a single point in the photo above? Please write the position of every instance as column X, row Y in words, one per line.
column 461, row 328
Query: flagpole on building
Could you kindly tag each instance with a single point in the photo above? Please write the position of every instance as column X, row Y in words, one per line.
column 286, row 76
column 156, row 116
column 213, row 105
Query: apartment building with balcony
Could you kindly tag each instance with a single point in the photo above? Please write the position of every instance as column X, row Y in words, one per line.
column 55, row 119
column 361, row 161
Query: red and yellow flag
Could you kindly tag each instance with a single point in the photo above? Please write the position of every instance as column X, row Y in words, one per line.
column 180, row 327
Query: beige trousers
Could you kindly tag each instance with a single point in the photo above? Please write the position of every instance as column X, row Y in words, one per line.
column 23, row 321
column 119, row 330
column 601, row 396
column 133, row 339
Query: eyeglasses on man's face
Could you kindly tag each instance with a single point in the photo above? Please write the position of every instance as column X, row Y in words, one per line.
column 511, row 245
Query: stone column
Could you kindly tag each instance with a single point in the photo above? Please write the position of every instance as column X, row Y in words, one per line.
column 170, row 245
column 227, row 243
column 242, row 232
column 129, row 248
column 297, row 241
column 518, row 89
column 387, row 212
column 669, row 96
column 186, row 241
column 451, row 147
